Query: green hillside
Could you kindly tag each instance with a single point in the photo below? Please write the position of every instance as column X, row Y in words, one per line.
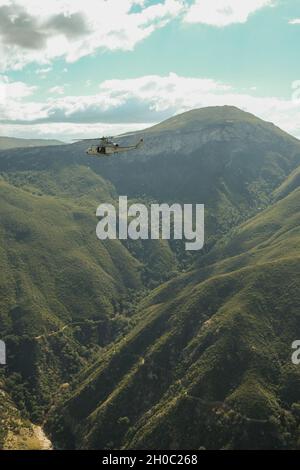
column 11, row 420
column 56, row 273
column 18, row 433
column 209, row 362
column 64, row 294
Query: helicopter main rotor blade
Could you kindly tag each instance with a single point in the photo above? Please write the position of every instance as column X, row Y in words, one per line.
column 84, row 140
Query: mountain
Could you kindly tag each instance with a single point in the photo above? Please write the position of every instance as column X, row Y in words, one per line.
column 221, row 156
column 12, row 142
column 228, row 159
column 140, row 344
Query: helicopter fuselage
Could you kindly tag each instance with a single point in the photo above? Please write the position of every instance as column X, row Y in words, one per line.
column 104, row 150
column 101, row 151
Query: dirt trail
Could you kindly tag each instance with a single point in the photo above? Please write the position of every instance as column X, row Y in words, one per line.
column 48, row 335
column 63, row 328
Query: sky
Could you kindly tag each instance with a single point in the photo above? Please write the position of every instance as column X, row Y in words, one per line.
column 72, row 69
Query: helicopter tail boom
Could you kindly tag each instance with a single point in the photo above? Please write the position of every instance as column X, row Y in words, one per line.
column 130, row 147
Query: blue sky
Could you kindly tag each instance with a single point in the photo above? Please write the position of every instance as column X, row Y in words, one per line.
column 73, row 69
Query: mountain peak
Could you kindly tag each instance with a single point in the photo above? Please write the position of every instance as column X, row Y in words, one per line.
column 201, row 118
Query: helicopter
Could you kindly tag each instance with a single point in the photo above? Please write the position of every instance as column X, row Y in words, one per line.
column 107, row 147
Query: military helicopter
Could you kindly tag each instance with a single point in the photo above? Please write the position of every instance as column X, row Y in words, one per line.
column 107, row 147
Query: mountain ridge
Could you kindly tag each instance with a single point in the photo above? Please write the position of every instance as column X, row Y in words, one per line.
column 7, row 143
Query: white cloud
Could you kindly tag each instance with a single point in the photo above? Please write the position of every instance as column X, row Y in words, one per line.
column 57, row 90
column 35, row 31
column 295, row 21
column 14, row 91
column 160, row 93
column 223, row 12
column 143, row 99
column 43, row 71
column 125, row 105
column 68, row 132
